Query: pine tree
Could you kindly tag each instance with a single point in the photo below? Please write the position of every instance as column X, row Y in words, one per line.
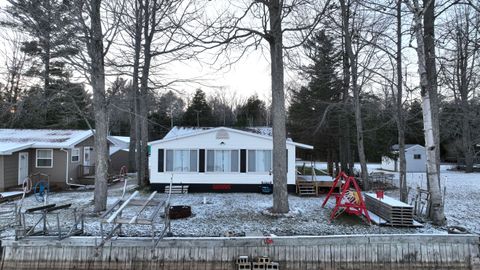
column 50, row 26
column 310, row 112
column 252, row 113
column 198, row 113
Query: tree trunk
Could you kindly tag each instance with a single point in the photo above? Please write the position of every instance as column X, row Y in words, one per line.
column 95, row 50
column 436, row 212
column 356, row 95
column 133, row 137
column 280, row 192
column 134, row 149
column 344, row 126
column 148, row 31
column 462, row 48
column 467, row 143
column 431, row 70
column 143, row 169
column 399, row 105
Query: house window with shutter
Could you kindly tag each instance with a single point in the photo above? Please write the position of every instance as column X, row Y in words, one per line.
column 223, row 161
column 259, row 160
column 181, row 161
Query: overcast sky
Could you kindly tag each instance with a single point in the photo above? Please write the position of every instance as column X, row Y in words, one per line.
column 251, row 75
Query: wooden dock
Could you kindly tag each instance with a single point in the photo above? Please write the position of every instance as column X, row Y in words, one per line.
column 360, row 252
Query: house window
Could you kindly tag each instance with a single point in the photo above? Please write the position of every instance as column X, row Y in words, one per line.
column 44, row 158
column 222, row 161
column 181, row 160
column 417, row 156
column 75, row 155
column 259, row 160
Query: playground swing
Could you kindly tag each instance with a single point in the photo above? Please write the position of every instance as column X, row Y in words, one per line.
column 349, row 201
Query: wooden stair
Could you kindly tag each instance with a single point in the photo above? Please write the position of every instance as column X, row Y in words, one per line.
column 178, row 189
column 306, row 188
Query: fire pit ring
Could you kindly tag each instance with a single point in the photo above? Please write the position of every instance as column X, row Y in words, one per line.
column 179, row 211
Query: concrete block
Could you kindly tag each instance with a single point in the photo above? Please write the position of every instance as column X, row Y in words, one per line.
column 242, row 259
column 244, row 266
column 273, row 265
column 262, row 259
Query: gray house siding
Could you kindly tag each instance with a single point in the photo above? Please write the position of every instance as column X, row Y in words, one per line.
column 73, row 166
column 58, row 171
column 117, row 161
column 57, row 174
column 10, row 170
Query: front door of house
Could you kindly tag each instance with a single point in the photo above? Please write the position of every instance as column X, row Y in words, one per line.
column 87, row 162
column 22, row 167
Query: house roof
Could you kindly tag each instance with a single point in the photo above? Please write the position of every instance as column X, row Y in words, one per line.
column 12, row 140
column 181, row 131
column 396, row 147
column 119, row 143
column 261, row 132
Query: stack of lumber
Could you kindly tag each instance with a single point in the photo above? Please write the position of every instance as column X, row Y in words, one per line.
column 176, row 189
column 395, row 212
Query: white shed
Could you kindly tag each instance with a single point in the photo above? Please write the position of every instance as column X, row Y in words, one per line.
column 415, row 157
column 218, row 158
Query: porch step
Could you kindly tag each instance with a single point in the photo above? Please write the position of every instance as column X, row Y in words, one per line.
column 177, row 189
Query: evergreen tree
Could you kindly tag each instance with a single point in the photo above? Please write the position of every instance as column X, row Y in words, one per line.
column 198, row 113
column 310, row 114
column 167, row 112
column 252, row 113
column 52, row 40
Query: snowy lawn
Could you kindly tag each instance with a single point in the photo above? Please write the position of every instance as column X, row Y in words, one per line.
column 244, row 212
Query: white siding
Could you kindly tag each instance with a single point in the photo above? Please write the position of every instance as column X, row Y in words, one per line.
column 236, row 141
column 416, row 165
column 413, row 165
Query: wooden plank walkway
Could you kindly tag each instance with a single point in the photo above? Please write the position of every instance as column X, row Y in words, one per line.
column 305, row 252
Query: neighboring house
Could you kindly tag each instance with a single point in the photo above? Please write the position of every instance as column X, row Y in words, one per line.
column 118, row 153
column 66, row 156
column 415, row 158
column 217, row 158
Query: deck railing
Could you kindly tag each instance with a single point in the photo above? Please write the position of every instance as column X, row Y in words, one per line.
column 84, row 171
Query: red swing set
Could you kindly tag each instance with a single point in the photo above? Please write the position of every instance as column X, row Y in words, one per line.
column 347, row 201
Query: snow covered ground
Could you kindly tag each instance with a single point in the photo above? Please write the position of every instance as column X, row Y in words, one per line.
column 244, row 212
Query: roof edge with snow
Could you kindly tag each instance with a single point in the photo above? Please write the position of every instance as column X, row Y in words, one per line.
column 209, row 130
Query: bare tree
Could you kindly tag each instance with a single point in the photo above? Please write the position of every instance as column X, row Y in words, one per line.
column 423, row 29
column 459, row 69
column 282, row 25
column 399, row 108
column 91, row 24
column 15, row 65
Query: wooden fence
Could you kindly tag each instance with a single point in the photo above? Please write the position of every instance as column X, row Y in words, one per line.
column 305, row 252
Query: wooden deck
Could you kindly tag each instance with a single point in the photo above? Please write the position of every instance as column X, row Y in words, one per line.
column 306, row 185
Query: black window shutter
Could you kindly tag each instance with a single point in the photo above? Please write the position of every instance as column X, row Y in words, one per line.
column 201, row 160
column 160, row 160
column 243, row 160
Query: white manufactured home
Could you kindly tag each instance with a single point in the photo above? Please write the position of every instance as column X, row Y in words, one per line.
column 218, row 158
column 415, row 158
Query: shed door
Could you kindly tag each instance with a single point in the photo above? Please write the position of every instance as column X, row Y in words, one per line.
column 22, row 167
